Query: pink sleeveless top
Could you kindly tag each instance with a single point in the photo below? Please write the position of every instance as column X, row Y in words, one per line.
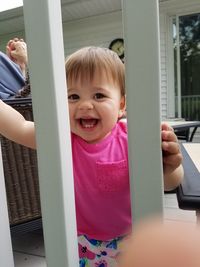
column 102, row 191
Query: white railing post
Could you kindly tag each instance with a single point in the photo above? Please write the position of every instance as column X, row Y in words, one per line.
column 140, row 18
column 6, row 255
column 43, row 27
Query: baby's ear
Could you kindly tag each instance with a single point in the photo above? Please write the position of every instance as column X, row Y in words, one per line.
column 122, row 110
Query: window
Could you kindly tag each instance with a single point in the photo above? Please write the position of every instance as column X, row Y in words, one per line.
column 186, row 45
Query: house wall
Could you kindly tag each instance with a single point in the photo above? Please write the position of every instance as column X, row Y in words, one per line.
column 100, row 31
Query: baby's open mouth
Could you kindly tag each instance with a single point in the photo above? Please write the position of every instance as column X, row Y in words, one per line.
column 88, row 123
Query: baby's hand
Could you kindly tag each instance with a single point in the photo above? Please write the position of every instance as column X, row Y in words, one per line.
column 172, row 157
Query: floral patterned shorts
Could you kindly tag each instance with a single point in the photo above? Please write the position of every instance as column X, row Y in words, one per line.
column 95, row 253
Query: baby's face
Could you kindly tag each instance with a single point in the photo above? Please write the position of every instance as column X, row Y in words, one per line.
column 94, row 107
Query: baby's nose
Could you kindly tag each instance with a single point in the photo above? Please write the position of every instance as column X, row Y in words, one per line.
column 86, row 104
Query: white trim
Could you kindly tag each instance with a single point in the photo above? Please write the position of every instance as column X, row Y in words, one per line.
column 185, row 13
column 178, row 68
column 178, row 7
column 170, row 68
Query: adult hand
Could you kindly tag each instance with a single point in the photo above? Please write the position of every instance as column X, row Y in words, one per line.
column 16, row 50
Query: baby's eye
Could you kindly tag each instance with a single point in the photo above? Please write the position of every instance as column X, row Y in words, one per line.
column 73, row 97
column 99, row 96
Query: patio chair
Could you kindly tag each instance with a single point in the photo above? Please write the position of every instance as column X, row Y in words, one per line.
column 21, row 173
column 183, row 134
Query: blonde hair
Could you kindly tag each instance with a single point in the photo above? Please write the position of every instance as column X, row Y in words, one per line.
column 84, row 63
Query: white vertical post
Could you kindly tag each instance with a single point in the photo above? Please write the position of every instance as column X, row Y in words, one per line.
column 43, row 28
column 6, row 255
column 170, row 68
column 140, row 19
column 178, row 67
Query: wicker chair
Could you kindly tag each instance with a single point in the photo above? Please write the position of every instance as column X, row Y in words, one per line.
column 21, row 173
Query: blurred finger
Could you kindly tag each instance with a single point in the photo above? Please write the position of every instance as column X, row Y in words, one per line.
column 16, row 39
column 9, row 42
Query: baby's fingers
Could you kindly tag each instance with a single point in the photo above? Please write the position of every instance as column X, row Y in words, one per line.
column 171, row 147
column 169, row 136
column 173, row 160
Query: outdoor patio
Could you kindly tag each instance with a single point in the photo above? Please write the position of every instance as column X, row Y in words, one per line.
column 28, row 246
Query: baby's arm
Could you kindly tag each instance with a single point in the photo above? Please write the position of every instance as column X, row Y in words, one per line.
column 14, row 127
column 172, row 158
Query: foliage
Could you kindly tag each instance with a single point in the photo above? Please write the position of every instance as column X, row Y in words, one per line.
column 189, row 32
